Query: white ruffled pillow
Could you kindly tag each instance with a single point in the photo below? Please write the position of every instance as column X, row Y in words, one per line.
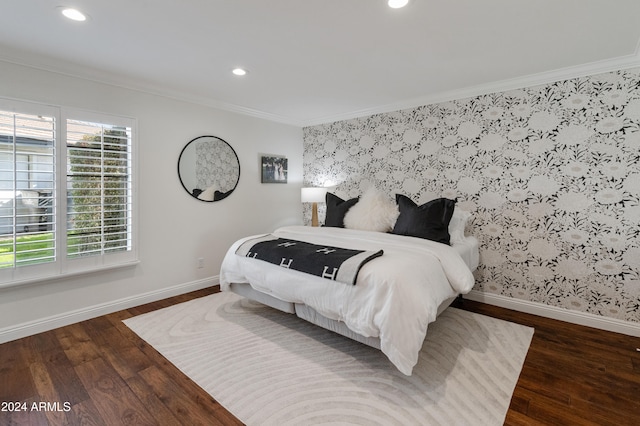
column 207, row 194
column 375, row 211
column 457, row 225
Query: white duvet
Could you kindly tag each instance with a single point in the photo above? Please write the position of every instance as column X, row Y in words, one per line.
column 395, row 296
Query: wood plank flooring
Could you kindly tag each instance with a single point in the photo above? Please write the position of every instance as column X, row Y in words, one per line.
column 573, row 375
column 98, row 372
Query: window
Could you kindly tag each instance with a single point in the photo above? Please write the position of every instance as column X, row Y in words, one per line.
column 27, row 154
column 98, row 188
column 66, row 192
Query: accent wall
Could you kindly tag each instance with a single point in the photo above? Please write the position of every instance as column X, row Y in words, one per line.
column 550, row 173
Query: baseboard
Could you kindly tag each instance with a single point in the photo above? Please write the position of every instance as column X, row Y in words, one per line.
column 45, row 324
column 553, row 312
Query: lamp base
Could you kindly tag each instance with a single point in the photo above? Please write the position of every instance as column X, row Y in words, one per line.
column 314, row 214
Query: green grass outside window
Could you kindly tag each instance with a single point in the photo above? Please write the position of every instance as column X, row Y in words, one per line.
column 36, row 248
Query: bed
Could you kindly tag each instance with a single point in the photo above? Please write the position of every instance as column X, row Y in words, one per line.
column 395, row 295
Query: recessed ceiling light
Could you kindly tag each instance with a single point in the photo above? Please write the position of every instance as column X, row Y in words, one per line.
column 74, row 14
column 239, row 71
column 397, row 4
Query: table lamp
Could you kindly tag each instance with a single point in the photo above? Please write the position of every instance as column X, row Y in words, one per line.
column 315, row 196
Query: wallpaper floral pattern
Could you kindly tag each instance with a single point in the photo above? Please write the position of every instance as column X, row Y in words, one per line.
column 551, row 174
column 216, row 164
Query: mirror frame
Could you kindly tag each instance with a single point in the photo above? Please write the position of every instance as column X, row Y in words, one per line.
column 195, row 195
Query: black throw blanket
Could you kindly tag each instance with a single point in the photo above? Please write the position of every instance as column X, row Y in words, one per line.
column 333, row 263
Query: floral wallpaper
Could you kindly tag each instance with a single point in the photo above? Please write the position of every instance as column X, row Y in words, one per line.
column 216, row 164
column 551, row 174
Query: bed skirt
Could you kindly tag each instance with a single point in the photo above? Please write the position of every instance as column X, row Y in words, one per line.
column 309, row 314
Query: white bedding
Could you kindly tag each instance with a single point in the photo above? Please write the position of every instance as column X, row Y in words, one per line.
column 395, row 297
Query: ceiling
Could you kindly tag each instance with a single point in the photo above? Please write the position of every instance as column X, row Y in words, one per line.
column 316, row 61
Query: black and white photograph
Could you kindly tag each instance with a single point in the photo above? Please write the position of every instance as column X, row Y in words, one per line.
column 274, row 169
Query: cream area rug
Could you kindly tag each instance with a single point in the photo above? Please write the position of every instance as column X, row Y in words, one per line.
column 272, row 368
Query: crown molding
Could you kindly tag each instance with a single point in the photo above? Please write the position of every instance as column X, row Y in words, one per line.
column 98, row 76
column 102, row 77
column 547, row 77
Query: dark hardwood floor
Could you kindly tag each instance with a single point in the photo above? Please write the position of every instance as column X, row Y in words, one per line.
column 573, row 375
column 98, row 372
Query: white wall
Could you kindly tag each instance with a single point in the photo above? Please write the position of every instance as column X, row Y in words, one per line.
column 174, row 229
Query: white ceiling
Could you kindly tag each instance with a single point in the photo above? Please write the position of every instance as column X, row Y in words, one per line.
column 315, row 61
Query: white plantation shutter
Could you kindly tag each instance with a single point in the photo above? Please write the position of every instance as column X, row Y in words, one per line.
column 66, row 192
column 99, row 203
column 27, row 189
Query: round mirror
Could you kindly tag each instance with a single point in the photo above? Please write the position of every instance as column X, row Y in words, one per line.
column 208, row 168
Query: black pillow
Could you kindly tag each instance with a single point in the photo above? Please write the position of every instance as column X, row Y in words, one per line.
column 336, row 209
column 217, row 195
column 429, row 221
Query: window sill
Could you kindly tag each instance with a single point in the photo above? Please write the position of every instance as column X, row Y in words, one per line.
column 43, row 279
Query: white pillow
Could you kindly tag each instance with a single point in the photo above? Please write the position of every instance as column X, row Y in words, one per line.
column 375, row 211
column 458, row 224
column 207, row 194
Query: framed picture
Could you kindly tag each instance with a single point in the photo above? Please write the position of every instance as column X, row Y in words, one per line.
column 274, row 169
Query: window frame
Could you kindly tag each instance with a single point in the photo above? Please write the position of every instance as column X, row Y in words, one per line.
column 63, row 266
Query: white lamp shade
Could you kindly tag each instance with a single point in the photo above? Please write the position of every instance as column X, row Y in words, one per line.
column 313, row 195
